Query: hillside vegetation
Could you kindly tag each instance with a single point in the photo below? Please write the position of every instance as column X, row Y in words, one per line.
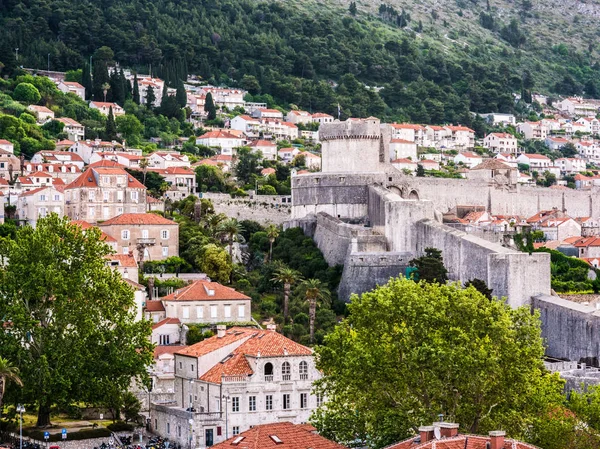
column 430, row 63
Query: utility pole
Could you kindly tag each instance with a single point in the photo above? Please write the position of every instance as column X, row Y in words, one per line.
column 17, row 53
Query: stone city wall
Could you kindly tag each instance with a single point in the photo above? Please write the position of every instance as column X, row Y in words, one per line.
column 264, row 209
column 571, row 330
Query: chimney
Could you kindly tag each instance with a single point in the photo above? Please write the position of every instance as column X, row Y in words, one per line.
column 221, row 328
column 271, row 327
column 497, row 439
column 448, row 429
column 426, row 433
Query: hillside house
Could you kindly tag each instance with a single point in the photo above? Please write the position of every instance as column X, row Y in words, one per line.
column 400, row 149
column 268, row 113
column 403, row 164
column 7, row 146
column 321, row 118
column 468, row 158
column 72, row 87
column 297, row 117
column 39, row 203
column 537, row 162
column 104, row 108
column 221, row 139
column 266, row 147
column 233, row 381
column 508, row 159
column 42, row 113
column 556, row 142
column 146, row 236
column 500, row 143
column 75, row 130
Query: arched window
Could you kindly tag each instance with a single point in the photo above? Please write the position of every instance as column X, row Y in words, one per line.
column 286, row 371
column 303, row 368
column 268, row 372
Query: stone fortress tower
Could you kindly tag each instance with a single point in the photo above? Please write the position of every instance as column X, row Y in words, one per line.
column 365, row 214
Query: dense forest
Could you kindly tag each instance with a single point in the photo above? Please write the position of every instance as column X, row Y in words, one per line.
column 282, row 53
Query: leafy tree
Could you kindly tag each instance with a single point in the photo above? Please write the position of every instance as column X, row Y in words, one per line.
column 512, row 34
column 27, row 93
column 209, row 107
column 420, row 171
column 209, row 177
column 272, row 234
column 152, row 180
column 247, row 164
column 8, row 373
column 110, row 131
column 430, row 267
column 231, row 231
column 150, row 97
column 569, row 150
column 136, row 90
column 76, row 313
column 481, row 287
column 181, row 95
column 409, row 351
column 131, row 407
column 130, row 128
column 315, row 292
column 215, row 263
column 86, row 81
column 288, row 277
column 352, row 8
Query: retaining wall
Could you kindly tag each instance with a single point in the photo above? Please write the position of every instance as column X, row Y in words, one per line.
column 264, row 209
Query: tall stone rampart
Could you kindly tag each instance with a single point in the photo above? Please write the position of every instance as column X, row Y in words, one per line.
column 336, row 239
column 571, row 330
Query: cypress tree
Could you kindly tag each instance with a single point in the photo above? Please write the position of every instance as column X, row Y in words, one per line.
column 100, row 78
column 136, row 90
column 209, row 107
column 150, row 97
column 86, row 81
column 111, row 127
column 117, row 88
column 181, row 95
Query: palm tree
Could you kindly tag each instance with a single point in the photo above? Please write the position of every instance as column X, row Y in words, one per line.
column 288, row 277
column 231, row 230
column 8, row 373
column 314, row 292
column 105, row 88
column 144, row 164
column 272, row 234
column 212, row 223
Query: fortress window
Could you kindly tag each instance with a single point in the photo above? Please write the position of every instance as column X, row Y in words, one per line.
column 390, row 179
column 342, row 179
column 317, row 180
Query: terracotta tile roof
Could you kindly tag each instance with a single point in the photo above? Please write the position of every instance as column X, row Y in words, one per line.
column 218, row 135
column 270, row 111
column 502, row 135
column 406, row 126
column 37, row 108
column 199, row 291
column 125, row 260
column 106, row 163
column 290, row 436
column 65, row 142
column 166, row 321
column 321, row 115
column 170, row 349
column 88, row 178
column 101, row 104
column 458, row 442
column 5, row 142
column 491, row 164
column 154, row 306
column 232, row 365
column 68, row 121
column 3, row 182
column 303, row 113
column 267, row 171
column 73, row 84
column 39, row 189
column 252, row 342
column 459, row 128
column 262, row 143
column 540, row 157
column 85, row 225
column 586, row 242
column 138, row 219
column 402, row 141
column 470, row 155
column 173, row 171
column 403, row 161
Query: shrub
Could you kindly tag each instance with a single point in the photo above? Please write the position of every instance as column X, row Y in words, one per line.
column 120, row 426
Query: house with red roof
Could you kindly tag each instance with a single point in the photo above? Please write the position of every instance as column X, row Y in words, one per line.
column 58, row 158
column 221, row 139
column 75, row 130
column 101, row 193
column 182, row 179
column 86, row 148
column 279, row 435
column 533, row 130
column 287, row 155
column 42, row 113
column 71, row 87
column 446, row 435
column 535, row 161
column 296, row 117
column 403, row 164
column 147, row 236
column 556, row 142
column 468, row 158
column 7, row 146
column 240, row 378
column 207, row 302
column 500, row 143
column 408, row 132
column 40, row 202
column 570, row 165
column 267, row 148
column 104, row 108
column 168, row 159
column 402, row 149
column 267, row 113
column 321, row 118
column 246, row 124
column 9, row 164
column 459, row 137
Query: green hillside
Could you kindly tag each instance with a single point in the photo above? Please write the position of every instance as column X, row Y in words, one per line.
column 425, row 63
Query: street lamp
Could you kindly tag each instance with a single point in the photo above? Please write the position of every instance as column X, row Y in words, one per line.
column 17, row 53
column 20, row 411
column 191, row 409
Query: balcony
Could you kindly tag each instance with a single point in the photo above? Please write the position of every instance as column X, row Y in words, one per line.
column 286, row 377
column 146, row 241
column 269, row 378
